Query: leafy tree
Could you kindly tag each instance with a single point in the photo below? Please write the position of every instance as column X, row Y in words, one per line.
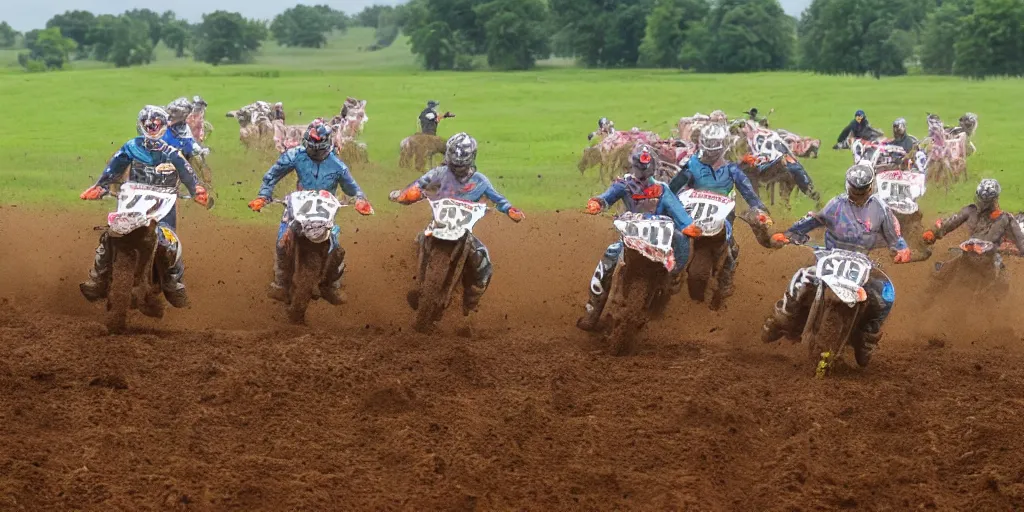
column 370, row 15
column 444, row 33
column 131, row 43
column 74, row 25
column 306, row 26
column 154, row 22
column 748, row 35
column 516, row 32
column 853, row 36
column 435, row 43
column 991, row 40
column 49, row 50
column 668, row 28
column 885, row 48
column 228, row 37
column 939, row 35
column 177, row 35
column 600, row 32
column 8, row 36
column 100, row 37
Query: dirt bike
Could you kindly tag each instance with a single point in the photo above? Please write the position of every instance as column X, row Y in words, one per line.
column 132, row 234
column 443, row 255
column 311, row 224
column 710, row 212
column 901, row 190
column 839, row 305
column 772, row 154
column 641, row 283
column 882, row 156
column 978, row 271
column 873, row 135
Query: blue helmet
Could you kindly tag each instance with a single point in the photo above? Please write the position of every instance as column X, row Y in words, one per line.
column 318, row 140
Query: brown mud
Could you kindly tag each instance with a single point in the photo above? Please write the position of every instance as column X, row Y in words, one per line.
column 226, row 406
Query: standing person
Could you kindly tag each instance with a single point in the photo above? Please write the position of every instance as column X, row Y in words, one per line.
column 429, row 118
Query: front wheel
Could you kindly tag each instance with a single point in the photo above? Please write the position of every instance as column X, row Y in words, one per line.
column 309, row 270
column 436, row 281
column 119, row 297
column 827, row 331
column 636, row 285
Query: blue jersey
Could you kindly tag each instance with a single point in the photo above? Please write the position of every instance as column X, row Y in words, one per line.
column 854, row 228
column 151, row 163
column 326, row 175
column 650, row 197
column 719, row 179
column 440, row 182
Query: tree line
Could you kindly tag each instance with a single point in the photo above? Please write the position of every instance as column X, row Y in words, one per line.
column 128, row 39
column 974, row 38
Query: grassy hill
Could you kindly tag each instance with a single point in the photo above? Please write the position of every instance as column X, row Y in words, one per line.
column 61, row 127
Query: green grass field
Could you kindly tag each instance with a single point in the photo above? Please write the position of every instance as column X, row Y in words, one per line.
column 59, row 128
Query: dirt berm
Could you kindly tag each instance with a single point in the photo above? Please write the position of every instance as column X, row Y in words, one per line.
column 225, row 406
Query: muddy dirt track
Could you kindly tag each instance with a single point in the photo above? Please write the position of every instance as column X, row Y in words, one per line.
column 225, row 406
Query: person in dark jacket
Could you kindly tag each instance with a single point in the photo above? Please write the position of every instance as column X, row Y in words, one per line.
column 429, row 118
column 859, row 127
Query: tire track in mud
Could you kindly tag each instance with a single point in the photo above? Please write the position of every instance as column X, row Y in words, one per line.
column 224, row 405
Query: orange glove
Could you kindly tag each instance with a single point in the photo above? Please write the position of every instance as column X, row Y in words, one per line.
column 516, row 214
column 202, row 196
column 363, row 206
column 749, row 159
column 692, row 231
column 92, row 193
column 765, row 219
column 928, row 237
column 902, row 256
column 594, row 207
column 780, row 239
column 258, row 203
column 407, row 196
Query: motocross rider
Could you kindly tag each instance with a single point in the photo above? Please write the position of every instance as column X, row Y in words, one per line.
column 854, row 222
column 793, row 166
column 984, row 221
column 458, row 178
column 640, row 193
column 149, row 161
column 859, row 127
column 316, row 167
column 429, row 118
column 179, row 135
column 605, row 127
column 708, row 170
column 901, row 138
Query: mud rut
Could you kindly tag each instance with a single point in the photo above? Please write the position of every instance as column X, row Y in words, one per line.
column 225, row 406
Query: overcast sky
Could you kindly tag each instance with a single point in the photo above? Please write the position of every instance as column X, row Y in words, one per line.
column 26, row 15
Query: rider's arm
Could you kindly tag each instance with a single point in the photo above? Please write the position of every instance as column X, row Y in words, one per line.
column 414, row 192
column 186, row 173
column 890, row 231
column 348, row 183
column 813, row 220
column 682, row 179
column 1016, row 233
column 615, row 192
column 500, row 202
column 671, row 205
column 846, row 131
column 284, row 165
column 117, row 165
column 746, row 188
column 945, row 226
